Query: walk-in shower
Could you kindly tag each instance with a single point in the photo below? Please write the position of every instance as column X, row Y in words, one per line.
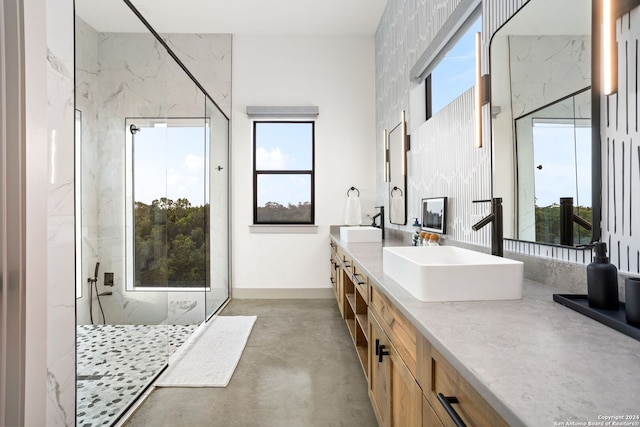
column 152, row 190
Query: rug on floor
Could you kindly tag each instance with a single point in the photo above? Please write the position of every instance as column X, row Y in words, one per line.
column 210, row 357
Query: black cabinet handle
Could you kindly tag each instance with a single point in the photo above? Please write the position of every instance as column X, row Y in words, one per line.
column 446, row 403
column 381, row 353
column 358, row 282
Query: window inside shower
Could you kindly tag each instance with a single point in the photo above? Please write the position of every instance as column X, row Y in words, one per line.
column 167, row 203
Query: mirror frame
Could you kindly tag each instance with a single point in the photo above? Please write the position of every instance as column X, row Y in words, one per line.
column 596, row 94
column 393, row 185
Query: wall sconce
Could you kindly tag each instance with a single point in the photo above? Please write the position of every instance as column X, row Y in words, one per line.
column 403, row 131
column 482, row 92
column 478, row 93
column 609, row 49
column 385, row 155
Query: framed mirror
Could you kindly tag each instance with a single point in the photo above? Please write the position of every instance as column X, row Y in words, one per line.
column 541, row 108
column 553, row 146
column 397, row 158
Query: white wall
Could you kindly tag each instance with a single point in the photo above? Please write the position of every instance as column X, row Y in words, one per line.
column 337, row 75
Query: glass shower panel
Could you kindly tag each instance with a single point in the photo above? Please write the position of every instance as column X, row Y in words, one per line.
column 122, row 341
column 153, row 190
column 187, row 200
column 218, row 137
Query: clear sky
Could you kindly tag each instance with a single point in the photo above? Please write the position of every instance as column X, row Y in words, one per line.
column 456, row 73
column 284, row 146
column 555, row 150
column 170, row 162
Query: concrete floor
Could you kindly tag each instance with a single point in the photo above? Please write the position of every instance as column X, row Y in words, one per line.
column 299, row 369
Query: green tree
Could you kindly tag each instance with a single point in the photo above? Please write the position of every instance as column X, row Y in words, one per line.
column 171, row 243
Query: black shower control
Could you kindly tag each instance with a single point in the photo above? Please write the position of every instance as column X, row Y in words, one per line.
column 108, row 279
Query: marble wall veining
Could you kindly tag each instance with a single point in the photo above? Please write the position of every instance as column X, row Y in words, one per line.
column 547, row 68
column 60, row 345
column 128, row 75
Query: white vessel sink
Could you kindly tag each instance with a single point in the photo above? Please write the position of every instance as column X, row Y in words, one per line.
column 360, row 234
column 448, row 273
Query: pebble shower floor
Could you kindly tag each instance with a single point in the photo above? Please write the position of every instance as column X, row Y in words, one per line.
column 115, row 362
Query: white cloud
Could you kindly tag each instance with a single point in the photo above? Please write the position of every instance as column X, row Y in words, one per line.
column 270, row 160
column 194, row 163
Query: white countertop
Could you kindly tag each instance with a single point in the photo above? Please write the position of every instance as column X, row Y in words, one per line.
column 536, row 362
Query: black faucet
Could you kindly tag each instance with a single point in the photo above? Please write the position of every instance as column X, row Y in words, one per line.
column 567, row 218
column 496, row 230
column 381, row 215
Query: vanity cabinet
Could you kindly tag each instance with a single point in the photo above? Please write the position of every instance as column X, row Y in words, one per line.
column 352, row 293
column 394, row 392
column 443, row 386
column 405, row 373
column 336, row 276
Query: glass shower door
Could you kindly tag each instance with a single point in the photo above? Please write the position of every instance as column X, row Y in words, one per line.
column 218, row 135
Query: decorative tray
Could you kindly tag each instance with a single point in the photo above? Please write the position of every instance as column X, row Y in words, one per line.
column 615, row 319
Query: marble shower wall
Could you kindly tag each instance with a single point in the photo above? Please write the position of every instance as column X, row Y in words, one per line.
column 60, row 345
column 132, row 76
column 537, row 81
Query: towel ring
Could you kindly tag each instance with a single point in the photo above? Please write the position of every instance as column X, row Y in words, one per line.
column 394, row 189
column 353, row 189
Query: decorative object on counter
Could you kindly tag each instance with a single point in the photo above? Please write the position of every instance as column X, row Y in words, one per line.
column 434, row 239
column 353, row 211
column 612, row 318
column 416, row 234
column 602, row 280
column 632, row 300
column 423, row 239
column 427, row 239
column 434, row 214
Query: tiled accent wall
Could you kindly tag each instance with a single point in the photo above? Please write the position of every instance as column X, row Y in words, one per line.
column 443, row 160
column 405, row 30
column 541, row 250
column 621, row 153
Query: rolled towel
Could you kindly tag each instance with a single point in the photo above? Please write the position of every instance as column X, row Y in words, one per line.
column 353, row 211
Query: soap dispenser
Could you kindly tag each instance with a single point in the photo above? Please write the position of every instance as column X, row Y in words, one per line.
column 602, row 280
column 416, row 234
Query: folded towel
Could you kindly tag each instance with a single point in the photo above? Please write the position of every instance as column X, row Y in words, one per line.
column 353, row 212
column 397, row 209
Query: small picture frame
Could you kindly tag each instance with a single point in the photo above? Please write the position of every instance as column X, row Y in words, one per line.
column 434, row 215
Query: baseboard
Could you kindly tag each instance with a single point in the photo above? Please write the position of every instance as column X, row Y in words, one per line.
column 282, row 293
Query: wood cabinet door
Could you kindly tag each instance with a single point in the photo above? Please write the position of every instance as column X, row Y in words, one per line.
column 379, row 373
column 406, row 395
